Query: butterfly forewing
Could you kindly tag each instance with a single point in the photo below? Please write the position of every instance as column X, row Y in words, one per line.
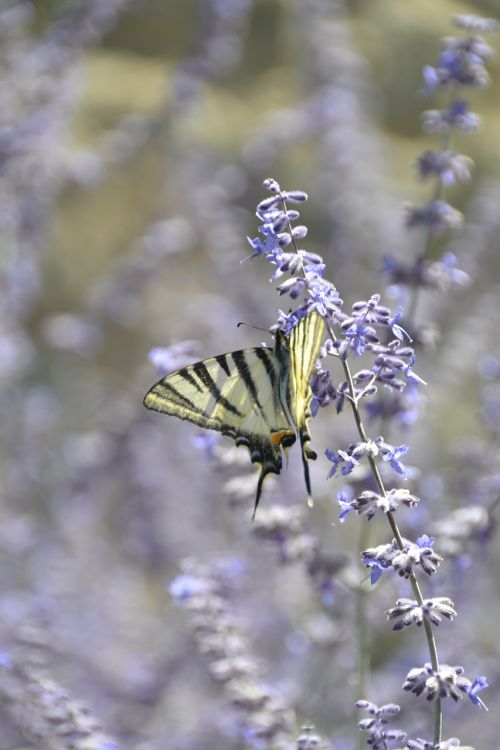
column 236, row 394
column 305, row 342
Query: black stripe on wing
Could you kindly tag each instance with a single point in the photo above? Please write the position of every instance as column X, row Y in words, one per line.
column 266, row 360
column 186, row 375
column 222, row 362
column 203, row 374
column 177, row 396
column 240, row 361
column 298, row 339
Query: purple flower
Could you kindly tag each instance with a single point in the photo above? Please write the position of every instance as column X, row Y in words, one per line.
column 322, row 296
column 293, row 286
column 359, row 328
column 411, row 376
column 420, row 553
column 350, row 462
column 391, row 361
column 425, row 541
column 445, row 682
column 371, row 310
column 381, row 558
column 396, row 329
column 287, row 321
column 368, row 502
column 336, row 460
column 341, row 457
column 408, row 612
column 402, row 560
column 296, row 263
column 357, row 334
column 393, row 454
column 295, row 196
column 479, row 684
column 377, row 568
column 323, row 390
column 345, row 500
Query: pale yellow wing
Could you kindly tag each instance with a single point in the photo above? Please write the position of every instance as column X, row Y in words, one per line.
column 236, row 394
column 304, row 343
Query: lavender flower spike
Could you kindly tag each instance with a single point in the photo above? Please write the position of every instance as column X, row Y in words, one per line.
column 445, row 682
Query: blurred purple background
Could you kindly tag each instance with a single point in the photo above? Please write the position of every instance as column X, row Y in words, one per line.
column 134, row 138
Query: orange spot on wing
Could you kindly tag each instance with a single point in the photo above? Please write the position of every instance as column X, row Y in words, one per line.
column 277, row 437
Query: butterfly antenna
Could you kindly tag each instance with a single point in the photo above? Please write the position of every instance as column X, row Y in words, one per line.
column 250, row 325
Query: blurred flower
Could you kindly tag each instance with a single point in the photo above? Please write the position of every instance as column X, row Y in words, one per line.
column 264, row 712
column 309, row 740
column 379, row 733
column 470, row 22
column 438, row 216
column 461, row 526
column 448, row 166
column 457, row 115
column 452, row 744
column 462, row 62
column 74, row 333
column 172, row 358
column 285, row 528
column 188, row 586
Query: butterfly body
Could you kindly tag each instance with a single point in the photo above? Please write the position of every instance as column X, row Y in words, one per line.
column 259, row 396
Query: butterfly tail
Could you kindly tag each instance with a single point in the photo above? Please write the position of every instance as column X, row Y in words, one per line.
column 267, row 468
column 262, row 476
column 307, row 454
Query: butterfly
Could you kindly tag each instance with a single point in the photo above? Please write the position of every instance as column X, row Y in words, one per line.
column 260, row 397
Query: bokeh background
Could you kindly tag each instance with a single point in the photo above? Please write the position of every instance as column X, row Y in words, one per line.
column 134, row 138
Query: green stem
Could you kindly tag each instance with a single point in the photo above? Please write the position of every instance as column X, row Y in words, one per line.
column 364, row 660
